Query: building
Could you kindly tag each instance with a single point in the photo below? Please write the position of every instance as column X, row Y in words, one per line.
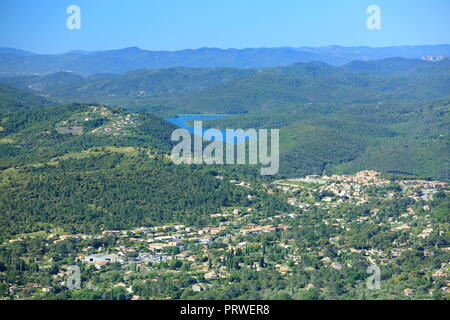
column 197, row 287
column 100, row 257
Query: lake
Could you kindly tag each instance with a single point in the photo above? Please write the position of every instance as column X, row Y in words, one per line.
column 182, row 120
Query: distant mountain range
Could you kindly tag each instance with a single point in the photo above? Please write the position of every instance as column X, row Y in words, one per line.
column 390, row 115
column 15, row 62
column 233, row 90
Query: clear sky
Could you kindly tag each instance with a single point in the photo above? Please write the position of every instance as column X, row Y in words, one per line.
column 40, row 25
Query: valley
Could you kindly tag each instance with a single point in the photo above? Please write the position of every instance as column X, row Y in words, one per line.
column 364, row 115
column 362, row 183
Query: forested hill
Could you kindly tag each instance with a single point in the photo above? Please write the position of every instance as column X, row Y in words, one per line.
column 14, row 99
column 226, row 90
column 391, row 115
column 89, row 167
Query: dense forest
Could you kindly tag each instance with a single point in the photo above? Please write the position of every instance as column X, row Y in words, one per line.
column 364, row 115
column 97, row 179
column 85, row 179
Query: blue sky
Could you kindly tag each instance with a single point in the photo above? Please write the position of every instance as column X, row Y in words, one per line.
column 40, row 25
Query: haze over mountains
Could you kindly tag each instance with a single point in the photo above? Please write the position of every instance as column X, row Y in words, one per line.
column 230, row 90
column 390, row 115
column 18, row 62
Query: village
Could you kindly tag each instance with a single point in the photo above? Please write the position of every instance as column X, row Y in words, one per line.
column 241, row 238
column 99, row 120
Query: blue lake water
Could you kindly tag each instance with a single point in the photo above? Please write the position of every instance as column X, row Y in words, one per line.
column 182, row 119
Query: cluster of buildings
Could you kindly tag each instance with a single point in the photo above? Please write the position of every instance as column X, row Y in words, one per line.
column 235, row 229
column 115, row 124
column 151, row 245
column 339, row 189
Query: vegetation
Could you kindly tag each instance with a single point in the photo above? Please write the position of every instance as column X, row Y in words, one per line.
column 378, row 114
column 93, row 186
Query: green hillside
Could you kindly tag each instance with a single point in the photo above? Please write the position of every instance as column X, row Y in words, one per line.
column 84, row 181
column 13, row 99
column 365, row 115
column 88, row 167
column 227, row 90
